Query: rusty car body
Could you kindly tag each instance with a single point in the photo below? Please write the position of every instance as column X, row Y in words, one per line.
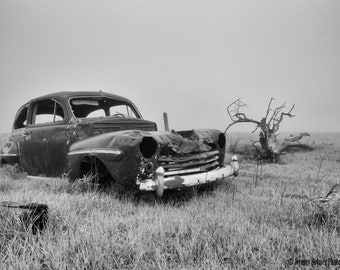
column 81, row 133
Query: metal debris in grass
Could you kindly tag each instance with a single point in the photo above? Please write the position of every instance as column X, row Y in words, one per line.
column 326, row 210
column 32, row 216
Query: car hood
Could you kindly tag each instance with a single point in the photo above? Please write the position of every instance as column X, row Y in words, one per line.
column 181, row 142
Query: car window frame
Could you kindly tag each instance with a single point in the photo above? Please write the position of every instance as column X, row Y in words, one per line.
column 32, row 114
column 27, row 105
column 127, row 102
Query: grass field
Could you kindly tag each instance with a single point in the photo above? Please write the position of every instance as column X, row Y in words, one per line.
column 242, row 223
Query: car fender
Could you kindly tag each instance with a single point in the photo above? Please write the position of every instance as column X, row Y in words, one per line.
column 9, row 154
column 119, row 152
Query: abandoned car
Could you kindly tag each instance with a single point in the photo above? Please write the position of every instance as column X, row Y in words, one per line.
column 97, row 133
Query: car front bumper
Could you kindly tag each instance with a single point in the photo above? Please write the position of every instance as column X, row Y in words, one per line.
column 161, row 182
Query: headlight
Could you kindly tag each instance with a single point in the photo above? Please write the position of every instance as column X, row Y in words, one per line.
column 221, row 140
column 148, row 147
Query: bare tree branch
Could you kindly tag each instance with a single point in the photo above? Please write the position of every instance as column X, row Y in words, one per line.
column 269, row 107
column 277, row 110
column 236, row 116
column 269, row 125
column 277, row 122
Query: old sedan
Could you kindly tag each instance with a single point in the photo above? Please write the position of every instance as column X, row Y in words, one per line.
column 82, row 133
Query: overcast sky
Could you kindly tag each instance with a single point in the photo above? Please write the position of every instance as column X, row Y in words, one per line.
column 189, row 58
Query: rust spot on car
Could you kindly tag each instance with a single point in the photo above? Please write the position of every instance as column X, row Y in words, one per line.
column 177, row 182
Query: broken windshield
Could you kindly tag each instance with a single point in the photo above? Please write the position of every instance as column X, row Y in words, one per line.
column 94, row 107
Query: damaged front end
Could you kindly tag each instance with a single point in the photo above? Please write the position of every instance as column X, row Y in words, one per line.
column 153, row 161
column 175, row 160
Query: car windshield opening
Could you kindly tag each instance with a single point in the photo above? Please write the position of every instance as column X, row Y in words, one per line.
column 94, row 107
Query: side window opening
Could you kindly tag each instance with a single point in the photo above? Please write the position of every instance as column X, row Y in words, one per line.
column 96, row 113
column 47, row 111
column 122, row 111
column 21, row 119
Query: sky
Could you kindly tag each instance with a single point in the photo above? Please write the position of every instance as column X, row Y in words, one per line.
column 189, row 58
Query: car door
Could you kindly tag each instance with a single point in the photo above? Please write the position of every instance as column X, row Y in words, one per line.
column 10, row 152
column 43, row 148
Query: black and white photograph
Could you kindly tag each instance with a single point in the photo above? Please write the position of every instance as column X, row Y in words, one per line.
column 158, row 134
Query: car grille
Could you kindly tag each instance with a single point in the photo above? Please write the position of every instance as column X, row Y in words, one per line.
column 189, row 164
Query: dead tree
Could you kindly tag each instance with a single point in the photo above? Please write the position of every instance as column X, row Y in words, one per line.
column 269, row 147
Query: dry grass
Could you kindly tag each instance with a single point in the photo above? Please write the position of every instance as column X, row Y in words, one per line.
column 238, row 224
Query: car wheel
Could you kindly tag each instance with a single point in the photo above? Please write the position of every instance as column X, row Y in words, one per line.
column 96, row 169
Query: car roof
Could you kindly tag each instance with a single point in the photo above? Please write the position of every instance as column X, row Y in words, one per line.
column 69, row 94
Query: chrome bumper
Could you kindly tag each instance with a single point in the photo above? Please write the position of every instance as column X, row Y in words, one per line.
column 160, row 182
